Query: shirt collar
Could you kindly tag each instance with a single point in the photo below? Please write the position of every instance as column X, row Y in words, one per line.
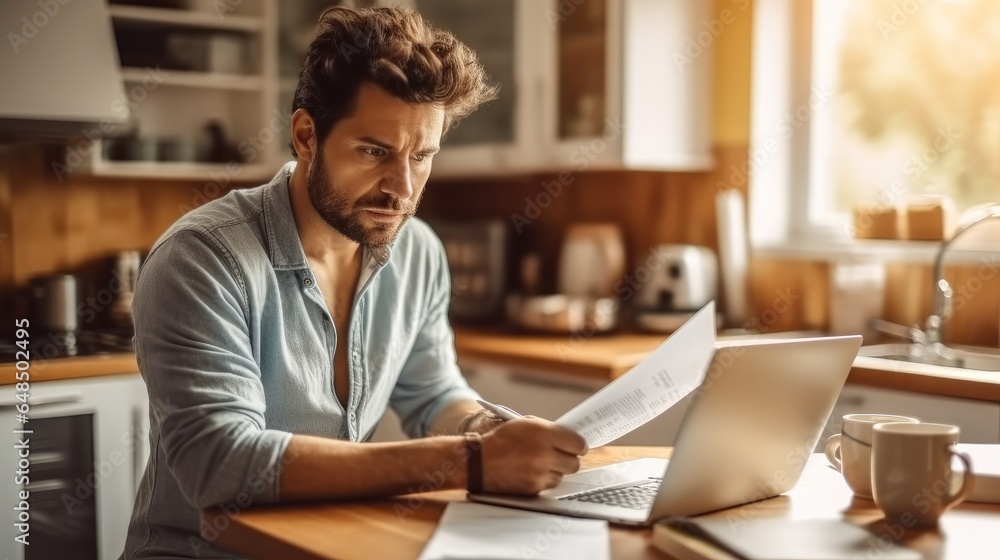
column 284, row 245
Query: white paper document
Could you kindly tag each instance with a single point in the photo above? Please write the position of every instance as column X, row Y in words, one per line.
column 644, row 392
column 471, row 531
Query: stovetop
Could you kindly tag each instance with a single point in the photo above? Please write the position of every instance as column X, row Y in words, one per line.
column 64, row 345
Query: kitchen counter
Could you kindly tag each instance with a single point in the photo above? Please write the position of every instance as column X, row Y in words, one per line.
column 606, row 357
column 72, row 368
column 600, row 357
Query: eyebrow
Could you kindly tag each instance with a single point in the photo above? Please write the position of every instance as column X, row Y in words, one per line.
column 391, row 148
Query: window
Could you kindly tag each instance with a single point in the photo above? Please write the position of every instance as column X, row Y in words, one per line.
column 868, row 102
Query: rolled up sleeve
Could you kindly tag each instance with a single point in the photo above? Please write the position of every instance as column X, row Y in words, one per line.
column 195, row 354
column 430, row 380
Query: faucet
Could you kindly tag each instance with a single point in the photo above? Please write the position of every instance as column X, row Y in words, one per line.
column 942, row 292
column 927, row 343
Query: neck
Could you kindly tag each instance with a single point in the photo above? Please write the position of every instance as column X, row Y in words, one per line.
column 321, row 242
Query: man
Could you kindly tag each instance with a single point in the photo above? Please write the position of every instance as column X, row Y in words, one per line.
column 274, row 326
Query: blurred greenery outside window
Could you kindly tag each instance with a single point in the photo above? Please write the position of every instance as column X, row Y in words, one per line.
column 911, row 95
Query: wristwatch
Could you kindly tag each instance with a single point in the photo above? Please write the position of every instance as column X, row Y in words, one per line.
column 474, row 461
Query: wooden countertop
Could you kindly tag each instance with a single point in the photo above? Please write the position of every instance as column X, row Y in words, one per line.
column 606, row 357
column 602, row 358
column 400, row 527
column 72, row 368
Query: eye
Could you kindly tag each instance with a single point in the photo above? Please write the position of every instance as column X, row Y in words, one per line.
column 374, row 152
column 419, row 158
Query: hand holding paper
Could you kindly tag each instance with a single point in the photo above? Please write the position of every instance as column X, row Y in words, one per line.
column 644, row 392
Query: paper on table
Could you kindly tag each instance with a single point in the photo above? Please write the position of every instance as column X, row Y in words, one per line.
column 469, row 530
column 644, row 392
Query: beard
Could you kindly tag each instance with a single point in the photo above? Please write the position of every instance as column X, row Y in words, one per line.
column 333, row 205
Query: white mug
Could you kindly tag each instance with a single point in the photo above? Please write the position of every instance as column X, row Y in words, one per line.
column 850, row 451
column 912, row 479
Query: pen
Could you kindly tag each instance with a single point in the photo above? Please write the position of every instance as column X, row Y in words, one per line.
column 500, row 410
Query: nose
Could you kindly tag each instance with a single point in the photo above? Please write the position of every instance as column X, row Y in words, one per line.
column 398, row 181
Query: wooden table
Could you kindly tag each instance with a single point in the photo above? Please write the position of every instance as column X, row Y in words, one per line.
column 399, row 528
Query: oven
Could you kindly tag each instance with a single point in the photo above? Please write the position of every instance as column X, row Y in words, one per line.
column 86, row 455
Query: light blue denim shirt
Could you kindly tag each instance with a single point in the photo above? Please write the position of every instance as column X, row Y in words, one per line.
column 236, row 345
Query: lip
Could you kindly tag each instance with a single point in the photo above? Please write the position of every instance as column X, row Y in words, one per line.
column 382, row 215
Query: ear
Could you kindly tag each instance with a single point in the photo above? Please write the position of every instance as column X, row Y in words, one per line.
column 304, row 135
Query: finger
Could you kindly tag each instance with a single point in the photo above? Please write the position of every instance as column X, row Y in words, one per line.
column 491, row 424
column 565, row 463
column 554, row 479
column 568, row 441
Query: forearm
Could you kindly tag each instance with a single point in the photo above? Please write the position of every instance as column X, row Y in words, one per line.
column 449, row 421
column 320, row 468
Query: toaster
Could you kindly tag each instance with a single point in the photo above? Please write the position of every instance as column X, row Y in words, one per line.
column 673, row 282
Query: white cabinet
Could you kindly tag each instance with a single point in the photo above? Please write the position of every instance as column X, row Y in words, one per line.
column 504, row 134
column 183, row 70
column 979, row 421
column 621, row 89
column 85, row 458
column 603, row 84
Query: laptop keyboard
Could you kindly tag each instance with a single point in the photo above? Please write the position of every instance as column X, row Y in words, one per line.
column 639, row 496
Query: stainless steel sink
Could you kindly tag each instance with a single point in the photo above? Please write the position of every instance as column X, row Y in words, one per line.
column 965, row 357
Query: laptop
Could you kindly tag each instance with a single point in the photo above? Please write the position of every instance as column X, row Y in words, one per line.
column 752, row 424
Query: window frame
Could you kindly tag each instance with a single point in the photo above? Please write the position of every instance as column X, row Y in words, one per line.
column 784, row 194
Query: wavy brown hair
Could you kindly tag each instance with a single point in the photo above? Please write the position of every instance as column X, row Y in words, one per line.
column 395, row 49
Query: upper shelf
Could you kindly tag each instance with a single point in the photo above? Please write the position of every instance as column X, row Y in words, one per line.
column 185, row 18
column 207, row 80
column 182, row 170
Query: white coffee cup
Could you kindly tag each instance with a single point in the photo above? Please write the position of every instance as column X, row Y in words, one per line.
column 912, row 479
column 850, row 450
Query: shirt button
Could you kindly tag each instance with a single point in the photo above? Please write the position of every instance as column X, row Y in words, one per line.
column 308, row 282
column 353, row 417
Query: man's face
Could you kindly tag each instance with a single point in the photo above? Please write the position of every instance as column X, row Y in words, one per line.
column 370, row 172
